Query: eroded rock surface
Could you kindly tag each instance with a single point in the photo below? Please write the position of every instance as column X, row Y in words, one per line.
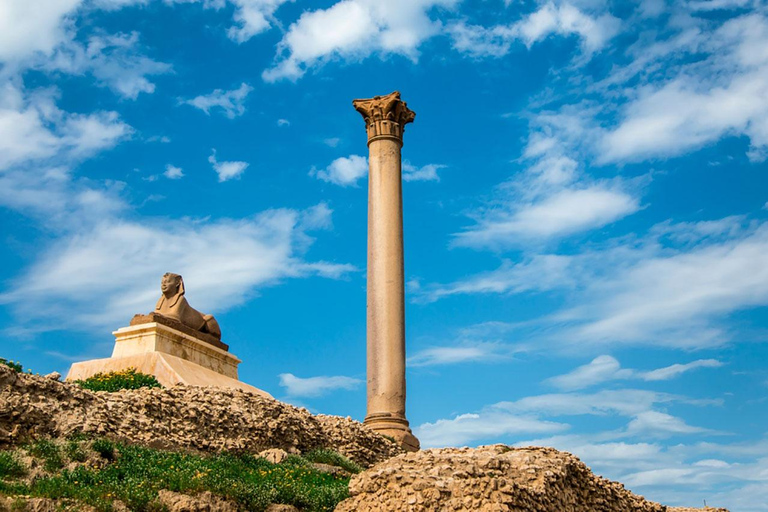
column 491, row 479
column 182, row 417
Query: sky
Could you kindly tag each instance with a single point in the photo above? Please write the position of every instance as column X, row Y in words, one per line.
column 585, row 200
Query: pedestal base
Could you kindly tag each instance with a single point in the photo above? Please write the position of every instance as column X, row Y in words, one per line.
column 173, row 357
column 393, row 426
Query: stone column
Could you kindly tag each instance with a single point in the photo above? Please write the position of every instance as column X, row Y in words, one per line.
column 385, row 119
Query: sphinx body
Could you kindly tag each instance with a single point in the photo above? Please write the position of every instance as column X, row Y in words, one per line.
column 174, row 305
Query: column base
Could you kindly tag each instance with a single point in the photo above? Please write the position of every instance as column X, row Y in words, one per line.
column 394, row 426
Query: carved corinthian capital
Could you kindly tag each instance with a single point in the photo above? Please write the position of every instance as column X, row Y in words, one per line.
column 385, row 116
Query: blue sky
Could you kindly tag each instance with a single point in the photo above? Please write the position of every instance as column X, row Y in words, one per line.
column 585, row 202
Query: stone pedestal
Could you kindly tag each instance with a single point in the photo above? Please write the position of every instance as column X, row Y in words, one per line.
column 172, row 356
column 385, row 119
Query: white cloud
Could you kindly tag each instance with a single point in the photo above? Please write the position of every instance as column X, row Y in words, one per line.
column 564, row 19
column 315, row 386
column 33, row 128
column 231, row 103
column 674, row 370
column 664, row 289
column 114, row 60
column 488, row 424
column 675, row 298
column 30, row 27
column 425, row 173
column 344, row 171
column 354, row 29
column 563, row 213
column 283, row 122
column 702, row 101
column 332, row 142
column 252, row 17
column 659, row 424
column 541, row 273
column 101, row 275
column 535, row 414
column 550, row 199
column 39, row 143
column 172, row 172
column 606, row 368
column 463, row 353
column 601, row 369
column 227, row 170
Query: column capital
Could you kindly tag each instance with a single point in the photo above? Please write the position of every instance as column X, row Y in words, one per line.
column 385, row 116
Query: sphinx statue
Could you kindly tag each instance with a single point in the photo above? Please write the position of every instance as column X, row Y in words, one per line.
column 174, row 305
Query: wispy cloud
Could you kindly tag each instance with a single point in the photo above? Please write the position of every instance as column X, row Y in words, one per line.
column 316, row 386
column 115, row 61
column 665, row 289
column 540, row 273
column 425, row 173
column 606, row 368
column 564, row 19
column 465, row 352
column 224, row 263
column 537, row 414
column 550, row 199
column 230, row 103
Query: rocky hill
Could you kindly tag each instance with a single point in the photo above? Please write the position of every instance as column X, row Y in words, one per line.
column 181, row 417
column 491, row 478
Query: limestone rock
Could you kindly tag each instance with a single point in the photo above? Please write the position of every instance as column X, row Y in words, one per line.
column 203, row 502
column 281, row 508
column 25, row 504
column 274, row 455
column 490, row 479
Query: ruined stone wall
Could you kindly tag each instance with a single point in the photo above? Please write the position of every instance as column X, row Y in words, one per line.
column 491, row 479
column 182, row 417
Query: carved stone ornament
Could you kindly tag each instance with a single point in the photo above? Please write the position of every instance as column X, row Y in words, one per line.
column 385, row 116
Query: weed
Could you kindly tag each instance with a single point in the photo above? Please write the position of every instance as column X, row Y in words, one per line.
column 325, row 456
column 75, row 452
column 12, row 365
column 105, row 448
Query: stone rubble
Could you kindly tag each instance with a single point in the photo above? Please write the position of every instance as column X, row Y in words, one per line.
column 491, row 479
column 182, row 417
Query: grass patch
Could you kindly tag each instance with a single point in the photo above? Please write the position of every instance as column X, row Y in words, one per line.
column 104, row 448
column 324, row 456
column 49, row 452
column 10, row 467
column 75, row 451
column 135, row 474
column 115, row 381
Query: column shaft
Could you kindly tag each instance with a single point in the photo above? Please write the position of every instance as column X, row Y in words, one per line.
column 386, row 309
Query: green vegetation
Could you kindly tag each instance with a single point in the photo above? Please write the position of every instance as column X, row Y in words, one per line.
column 324, row 456
column 12, row 365
column 135, row 475
column 10, row 467
column 115, row 381
column 50, row 454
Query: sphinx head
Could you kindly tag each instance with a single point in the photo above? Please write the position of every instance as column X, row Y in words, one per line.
column 172, row 284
